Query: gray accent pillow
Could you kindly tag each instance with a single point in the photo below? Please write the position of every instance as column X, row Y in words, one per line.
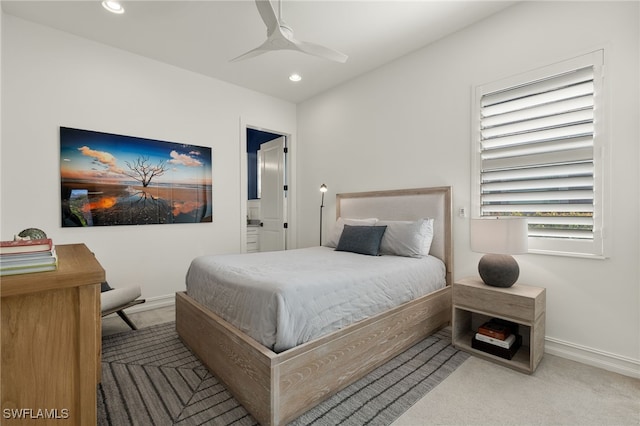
column 361, row 239
column 339, row 226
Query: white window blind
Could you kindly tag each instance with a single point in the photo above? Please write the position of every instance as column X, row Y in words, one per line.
column 537, row 157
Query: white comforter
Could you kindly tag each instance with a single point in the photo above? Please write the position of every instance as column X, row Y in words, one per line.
column 283, row 299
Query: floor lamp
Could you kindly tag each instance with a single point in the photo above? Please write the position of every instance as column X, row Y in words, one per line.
column 323, row 189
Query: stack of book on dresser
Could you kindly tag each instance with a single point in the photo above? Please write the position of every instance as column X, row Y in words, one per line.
column 498, row 337
column 27, row 256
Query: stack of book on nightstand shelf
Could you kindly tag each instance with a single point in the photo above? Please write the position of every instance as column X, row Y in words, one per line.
column 498, row 337
column 27, row 256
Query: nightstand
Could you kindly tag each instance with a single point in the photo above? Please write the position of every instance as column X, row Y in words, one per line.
column 474, row 303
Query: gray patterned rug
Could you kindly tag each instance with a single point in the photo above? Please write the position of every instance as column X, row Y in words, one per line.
column 149, row 377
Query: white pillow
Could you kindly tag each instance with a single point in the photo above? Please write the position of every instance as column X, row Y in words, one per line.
column 339, row 226
column 407, row 238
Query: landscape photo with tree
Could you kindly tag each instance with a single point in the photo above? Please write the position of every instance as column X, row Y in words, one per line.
column 109, row 179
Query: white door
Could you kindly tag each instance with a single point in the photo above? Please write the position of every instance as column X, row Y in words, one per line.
column 271, row 159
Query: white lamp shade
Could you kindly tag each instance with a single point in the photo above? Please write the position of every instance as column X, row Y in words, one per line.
column 504, row 235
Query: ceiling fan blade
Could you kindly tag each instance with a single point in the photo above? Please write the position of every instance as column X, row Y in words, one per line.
column 320, row 51
column 252, row 53
column 275, row 41
column 268, row 15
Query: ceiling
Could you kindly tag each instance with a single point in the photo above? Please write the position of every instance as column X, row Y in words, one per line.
column 202, row 36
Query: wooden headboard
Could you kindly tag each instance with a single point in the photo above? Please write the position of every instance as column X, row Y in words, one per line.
column 406, row 204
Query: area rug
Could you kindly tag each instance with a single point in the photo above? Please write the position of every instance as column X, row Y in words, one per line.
column 149, row 377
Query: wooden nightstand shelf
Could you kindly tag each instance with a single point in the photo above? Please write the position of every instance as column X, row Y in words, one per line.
column 475, row 303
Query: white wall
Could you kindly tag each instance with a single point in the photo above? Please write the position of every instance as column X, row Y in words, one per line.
column 52, row 79
column 407, row 124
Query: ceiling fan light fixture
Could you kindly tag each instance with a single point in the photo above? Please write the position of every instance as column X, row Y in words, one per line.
column 113, row 6
column 295, row 77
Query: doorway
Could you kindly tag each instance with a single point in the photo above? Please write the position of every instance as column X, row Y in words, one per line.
column 266, row 203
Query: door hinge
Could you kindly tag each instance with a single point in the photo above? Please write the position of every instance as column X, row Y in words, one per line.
column 286, row 150
column 286, row 225
column 286, row 187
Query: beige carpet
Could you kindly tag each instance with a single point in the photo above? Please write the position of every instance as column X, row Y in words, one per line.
column 560, row 392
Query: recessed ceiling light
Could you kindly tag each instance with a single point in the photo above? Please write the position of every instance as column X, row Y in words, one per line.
column 295, row 77
column 113, row 6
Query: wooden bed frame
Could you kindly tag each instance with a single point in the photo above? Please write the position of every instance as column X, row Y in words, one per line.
column 276, row 388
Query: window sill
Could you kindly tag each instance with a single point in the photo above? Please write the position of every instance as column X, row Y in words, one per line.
column 568, row 254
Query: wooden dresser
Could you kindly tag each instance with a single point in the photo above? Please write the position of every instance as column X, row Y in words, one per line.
column 51, row 340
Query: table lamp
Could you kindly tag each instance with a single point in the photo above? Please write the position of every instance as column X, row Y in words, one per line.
column 499, row 238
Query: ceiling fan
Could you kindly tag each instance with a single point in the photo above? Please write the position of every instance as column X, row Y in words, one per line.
column 280, row 37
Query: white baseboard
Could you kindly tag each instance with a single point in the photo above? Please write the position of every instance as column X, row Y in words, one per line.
column 154, row 303
column 605, row 360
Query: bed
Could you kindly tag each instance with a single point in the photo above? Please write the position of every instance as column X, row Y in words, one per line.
column 277, row 382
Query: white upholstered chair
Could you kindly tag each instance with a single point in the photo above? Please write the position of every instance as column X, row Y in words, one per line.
column 118, row 299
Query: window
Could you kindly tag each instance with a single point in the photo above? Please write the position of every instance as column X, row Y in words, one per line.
column 538, row 146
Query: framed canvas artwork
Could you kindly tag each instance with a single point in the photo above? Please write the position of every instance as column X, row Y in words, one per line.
column 109, row 179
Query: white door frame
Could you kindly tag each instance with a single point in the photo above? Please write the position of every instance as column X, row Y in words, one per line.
column 290, row 174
